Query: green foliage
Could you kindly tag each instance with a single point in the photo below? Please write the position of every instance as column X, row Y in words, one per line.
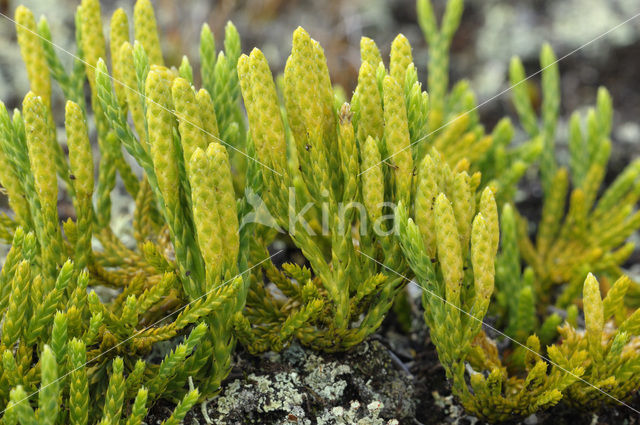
column 453, row 126
column 84, row 354
column 45, row 352
column 585, row 368
column 589, row 233
column 220, row 79
column 349, row 295
column 607, row 350
column 326, row 173
column 398, row 183
column 516, row 296
column 456, row 302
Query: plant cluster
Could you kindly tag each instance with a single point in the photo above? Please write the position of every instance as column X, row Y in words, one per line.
column 398, row 183
column 61, row 333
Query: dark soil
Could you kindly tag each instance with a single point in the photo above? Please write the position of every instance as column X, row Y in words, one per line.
column 400, row 370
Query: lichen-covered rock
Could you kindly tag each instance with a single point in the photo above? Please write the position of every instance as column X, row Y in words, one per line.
column 299, row 386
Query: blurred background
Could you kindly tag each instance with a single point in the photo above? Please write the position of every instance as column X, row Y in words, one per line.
column 491, row 32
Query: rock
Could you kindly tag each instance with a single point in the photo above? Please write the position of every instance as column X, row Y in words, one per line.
column 300, row 386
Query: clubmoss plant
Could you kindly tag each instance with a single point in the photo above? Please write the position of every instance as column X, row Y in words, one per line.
column 182, row 278
column 587, row 368
column 516, row 294
column 493, row 385
column 453, row 126
column 607, row 349
column 453, row 258
column 399, row 181
column 320, row 310
column 73, row 352
column 589, row 232
column 368, row 154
